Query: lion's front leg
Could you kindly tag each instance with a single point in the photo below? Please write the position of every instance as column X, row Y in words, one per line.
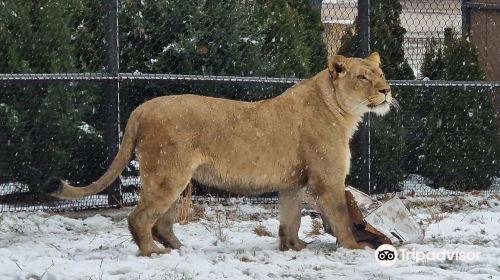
column 290, row 221
column 330, row 197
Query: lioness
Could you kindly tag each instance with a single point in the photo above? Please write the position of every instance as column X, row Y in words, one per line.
column 297, row 140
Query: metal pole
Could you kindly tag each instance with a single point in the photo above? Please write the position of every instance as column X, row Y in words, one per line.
column 364, row 26
column 111, row 97
column 364, row 129
column 465, row 18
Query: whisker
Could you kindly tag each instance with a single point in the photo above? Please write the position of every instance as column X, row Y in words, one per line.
column 365, row 102
column 396, row 105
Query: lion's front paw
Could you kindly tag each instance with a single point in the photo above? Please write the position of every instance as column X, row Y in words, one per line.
column 357, row 245
column 159, row 251
column 299, row 245
column 294, row 244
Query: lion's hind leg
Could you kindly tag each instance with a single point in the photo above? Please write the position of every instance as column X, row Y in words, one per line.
column 155, row 202
column 163, row 230
column 290, row 221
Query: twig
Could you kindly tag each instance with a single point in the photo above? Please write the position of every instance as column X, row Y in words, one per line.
column 18, row 266
column 55, row 247
column 95, row 235
column 100, row 269
column 46, row 270
column 127, row 239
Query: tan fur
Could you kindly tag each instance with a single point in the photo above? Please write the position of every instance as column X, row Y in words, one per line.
column 297, row 140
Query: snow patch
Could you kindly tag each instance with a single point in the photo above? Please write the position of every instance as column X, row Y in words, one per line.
column 44, row 246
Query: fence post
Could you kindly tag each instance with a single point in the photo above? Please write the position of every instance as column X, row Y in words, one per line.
column 111, row 97
column 465, row 18
column 364, row 128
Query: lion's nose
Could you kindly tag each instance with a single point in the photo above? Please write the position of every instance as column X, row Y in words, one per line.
column 384, row 91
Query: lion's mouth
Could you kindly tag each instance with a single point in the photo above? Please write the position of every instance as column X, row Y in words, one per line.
column 371, row 106
column 380, row 109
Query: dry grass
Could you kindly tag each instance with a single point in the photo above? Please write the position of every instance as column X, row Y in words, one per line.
column 198, row 212
column 316, row 228
column 422, row 202
column 454, row 205
column 444, row 204
column 261, row 230
column 245, row 259
column 217, row 225
column 184, row 205
column 435, row 215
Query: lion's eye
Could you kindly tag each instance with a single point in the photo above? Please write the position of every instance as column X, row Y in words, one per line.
column 362, row 77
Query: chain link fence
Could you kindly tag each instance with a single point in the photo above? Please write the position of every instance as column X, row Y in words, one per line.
column 65, row 63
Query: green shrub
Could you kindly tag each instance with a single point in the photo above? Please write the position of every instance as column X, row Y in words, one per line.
column 460, row 146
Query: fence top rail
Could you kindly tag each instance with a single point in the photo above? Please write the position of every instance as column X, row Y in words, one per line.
column 55, row 77
column 442, row 83
column 91, row 77
column 207, row 78
column 483, row 6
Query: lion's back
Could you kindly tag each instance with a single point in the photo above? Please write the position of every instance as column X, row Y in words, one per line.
column 202, row 119
column 188, row 106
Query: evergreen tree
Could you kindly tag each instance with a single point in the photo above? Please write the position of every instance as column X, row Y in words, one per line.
column 194, row 37
column 388, row 132
column 40, row 124
column 417, row 107
column 14, row 20
column 213, row 38
column 313, row 34
column 460, row 149
column 386, row 38
column 88, row 25
column 433, row 63
column 293, row 44
column 227, row 37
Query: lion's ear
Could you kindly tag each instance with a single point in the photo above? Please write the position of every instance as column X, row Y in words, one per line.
column 337, row 65
column 374, row 57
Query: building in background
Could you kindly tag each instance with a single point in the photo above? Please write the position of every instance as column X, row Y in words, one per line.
column 422, row 19
column 484, row 30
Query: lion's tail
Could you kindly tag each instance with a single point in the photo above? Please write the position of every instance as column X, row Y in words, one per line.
column 60, row 189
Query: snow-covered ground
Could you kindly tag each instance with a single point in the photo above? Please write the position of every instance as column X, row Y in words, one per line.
column 222, row 244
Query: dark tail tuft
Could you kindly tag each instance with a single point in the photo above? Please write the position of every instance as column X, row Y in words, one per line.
column 53, row 185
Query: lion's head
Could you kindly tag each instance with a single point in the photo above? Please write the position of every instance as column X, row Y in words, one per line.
column 360, row 85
